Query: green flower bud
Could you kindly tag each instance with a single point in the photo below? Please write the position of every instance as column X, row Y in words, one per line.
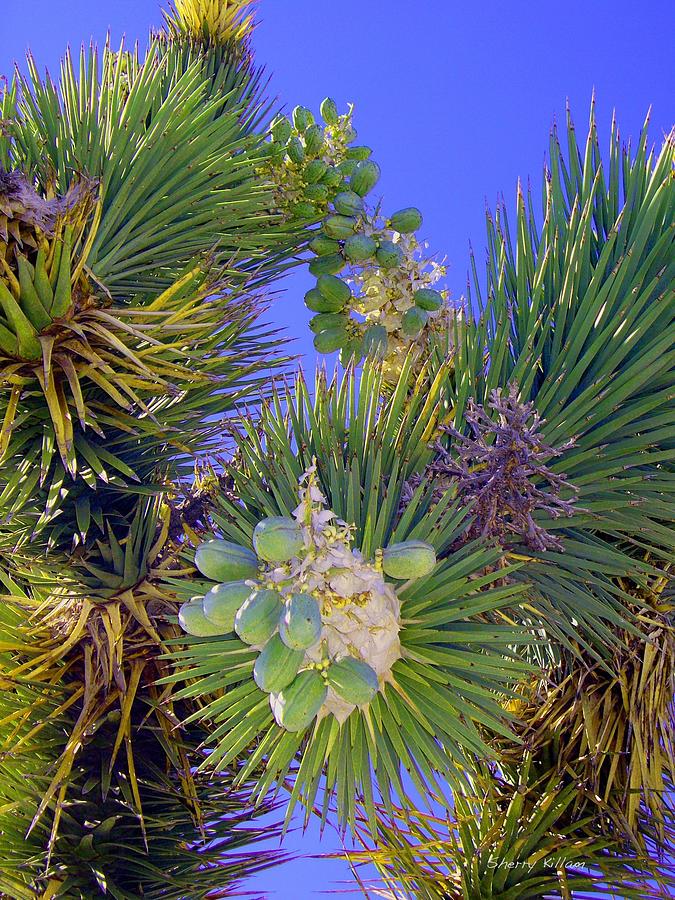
column 348, row 203
column 330, row 264
column 339, row 227
column 329, row 111
column 359, row 247
column 389, row 255
column 413, row 321
column 405, row 221
column 302, row 118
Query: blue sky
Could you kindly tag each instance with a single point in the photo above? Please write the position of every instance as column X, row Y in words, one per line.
column 455, row 99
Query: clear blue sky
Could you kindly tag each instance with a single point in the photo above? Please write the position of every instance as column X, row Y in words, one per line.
column 456, row 100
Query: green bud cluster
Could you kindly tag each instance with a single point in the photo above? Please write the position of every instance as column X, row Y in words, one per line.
column 307, row 161
column 388, row 301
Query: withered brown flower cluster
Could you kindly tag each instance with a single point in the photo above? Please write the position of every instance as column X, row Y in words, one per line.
column 501, row 471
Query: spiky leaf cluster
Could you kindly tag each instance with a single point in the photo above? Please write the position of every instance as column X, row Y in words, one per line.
column 130, row 331
column 440, row 699
column 128, row 826
column 578, row 314
column 505, row 841
column 131, row 325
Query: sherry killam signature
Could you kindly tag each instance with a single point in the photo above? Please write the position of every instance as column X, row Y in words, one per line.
column 553, row 862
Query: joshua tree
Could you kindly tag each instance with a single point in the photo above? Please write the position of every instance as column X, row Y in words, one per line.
column 443, row 571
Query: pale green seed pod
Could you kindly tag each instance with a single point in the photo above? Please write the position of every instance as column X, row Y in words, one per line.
column 347, row 167
column 326, row 321
column 329, row 111
column 405, row 221
column 353, row 680
column 224, row 561
column 313, row 140
column 327, row 265
column 375, row 341
column 408, row 560
column 316, row 193
column 191, row 619
column 314, row 171
column 222, row 603
column 296, row 706
column 348, row 203
column 359, row 247
column 295, row 150
column 389, row 255
column 339, row 227
column 428, row 299
column 302, row 118
column 333, row 288
column 278, row 538
column 359, row 153
column 305, row 211
column 300, row 622
column 330, row 340
column 277, row 665
column 281, row 130
column 318, row 302
column 364, row 177
column 351, row 352
column 324, row 246
column 258, row 617
column 333, row 179
column 413, row 321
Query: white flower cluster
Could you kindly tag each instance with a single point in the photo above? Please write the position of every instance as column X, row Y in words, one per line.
column 360, row 612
